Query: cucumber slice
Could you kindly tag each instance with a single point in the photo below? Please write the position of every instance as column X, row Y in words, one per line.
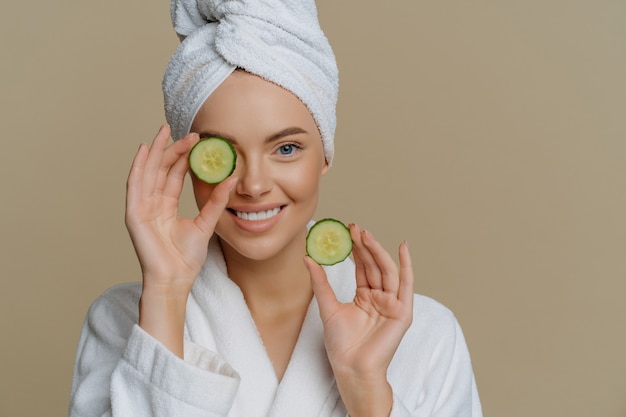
column 212, row 160
column 328, row 242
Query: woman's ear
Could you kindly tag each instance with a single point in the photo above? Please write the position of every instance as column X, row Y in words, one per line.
column 325, row 167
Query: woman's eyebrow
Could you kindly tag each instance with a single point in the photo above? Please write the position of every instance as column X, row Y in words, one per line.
column 272, row 138
column 211, row 134
column 285, row 132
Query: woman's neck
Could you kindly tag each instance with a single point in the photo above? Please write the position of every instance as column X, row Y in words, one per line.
column 273, row 286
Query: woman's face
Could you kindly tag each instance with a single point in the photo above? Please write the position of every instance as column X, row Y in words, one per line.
column 280, row 160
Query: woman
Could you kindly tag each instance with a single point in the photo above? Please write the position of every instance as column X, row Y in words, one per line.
column 231, row 318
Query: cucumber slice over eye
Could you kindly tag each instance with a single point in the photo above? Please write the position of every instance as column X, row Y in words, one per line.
column 212, row 160
column 328, row 242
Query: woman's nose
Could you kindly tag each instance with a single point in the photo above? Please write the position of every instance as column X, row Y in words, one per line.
column 254, row 179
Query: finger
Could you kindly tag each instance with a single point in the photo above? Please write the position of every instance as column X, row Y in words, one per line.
column 212, row 210
column 355, row 234
column 175, row 178
column 135, row 176
column 405, row 292
column 154, row 159
column 173, row 154
column 384, row 262
column 326, row 299
column 371, row 271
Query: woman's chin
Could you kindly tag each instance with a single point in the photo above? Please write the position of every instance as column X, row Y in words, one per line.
column 262, row 249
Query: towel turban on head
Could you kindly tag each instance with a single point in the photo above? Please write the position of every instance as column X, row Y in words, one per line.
column 278, row 40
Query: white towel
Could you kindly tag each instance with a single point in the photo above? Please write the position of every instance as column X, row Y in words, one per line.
column 278, row 40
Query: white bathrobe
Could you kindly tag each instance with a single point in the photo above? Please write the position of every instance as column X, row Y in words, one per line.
column 121, row 370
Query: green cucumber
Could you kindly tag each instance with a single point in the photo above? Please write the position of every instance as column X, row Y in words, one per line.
column 212, row 160
column 328, row 242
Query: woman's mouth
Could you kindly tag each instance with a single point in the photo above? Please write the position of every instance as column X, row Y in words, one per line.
column 256, row 215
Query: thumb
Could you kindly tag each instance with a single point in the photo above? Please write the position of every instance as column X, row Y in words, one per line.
column 324, row 293
column 210, row 213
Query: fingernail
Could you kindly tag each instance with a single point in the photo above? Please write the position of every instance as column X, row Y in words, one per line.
column 306, row 265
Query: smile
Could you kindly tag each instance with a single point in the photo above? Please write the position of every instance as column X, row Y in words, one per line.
column 257, row 215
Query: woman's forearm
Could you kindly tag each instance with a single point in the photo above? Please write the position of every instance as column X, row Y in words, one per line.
column 162, row 315
column 365, row 396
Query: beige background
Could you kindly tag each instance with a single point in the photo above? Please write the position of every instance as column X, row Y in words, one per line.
column 490, row 135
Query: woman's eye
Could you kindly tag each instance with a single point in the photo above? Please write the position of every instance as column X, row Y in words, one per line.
column 287, row 149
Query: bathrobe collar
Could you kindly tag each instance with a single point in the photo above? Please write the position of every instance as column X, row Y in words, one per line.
column 226, row 327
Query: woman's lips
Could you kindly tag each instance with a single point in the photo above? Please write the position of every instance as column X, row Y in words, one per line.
column 257, row 215
column 256, row 221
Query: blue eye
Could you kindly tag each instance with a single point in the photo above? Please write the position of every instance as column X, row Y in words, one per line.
column 287, row 149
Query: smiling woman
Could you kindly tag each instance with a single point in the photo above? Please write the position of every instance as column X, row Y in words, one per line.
column 280, row 162
column 232, row 319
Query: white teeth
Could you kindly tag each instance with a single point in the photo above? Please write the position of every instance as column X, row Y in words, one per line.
column 258, row 215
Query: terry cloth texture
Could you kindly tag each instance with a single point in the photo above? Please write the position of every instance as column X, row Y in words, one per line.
column 123, row 371
column 278, row 40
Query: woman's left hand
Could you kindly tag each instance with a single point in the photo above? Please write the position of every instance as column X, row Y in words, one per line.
column 362, row 336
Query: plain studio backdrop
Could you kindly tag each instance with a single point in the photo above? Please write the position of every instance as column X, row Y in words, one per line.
column 490, row 135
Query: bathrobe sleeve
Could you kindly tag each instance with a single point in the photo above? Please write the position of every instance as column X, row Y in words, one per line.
column 432, row 375
column 121, row 370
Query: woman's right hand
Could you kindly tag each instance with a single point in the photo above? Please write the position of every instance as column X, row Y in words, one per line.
column 171, row 249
